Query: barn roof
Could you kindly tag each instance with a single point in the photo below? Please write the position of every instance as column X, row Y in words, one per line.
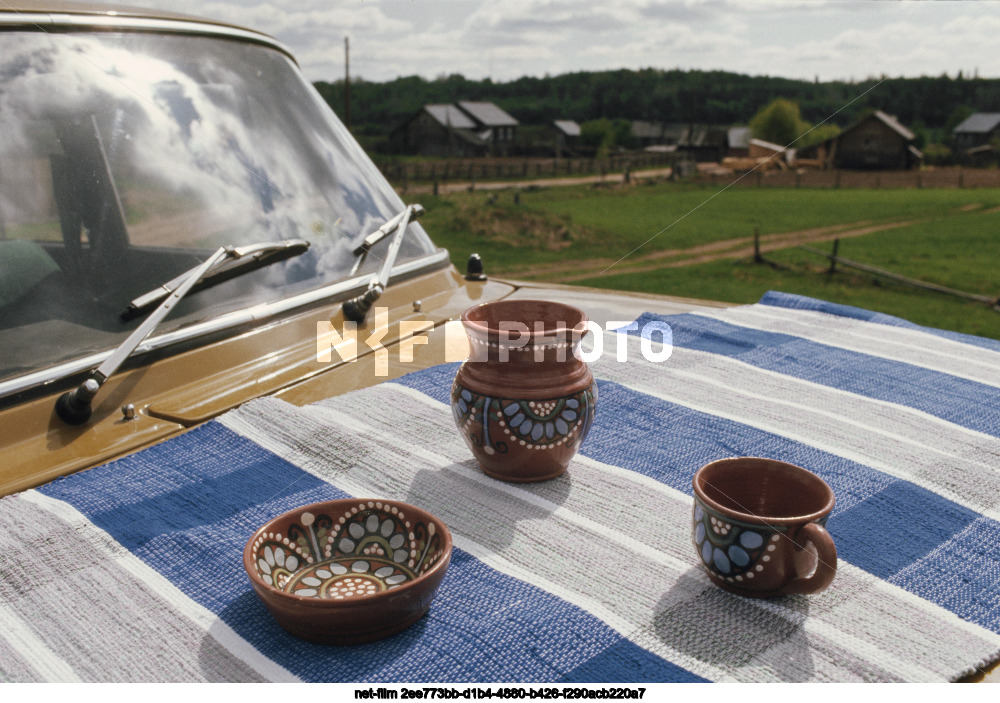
column 979, row 123
column 568, row 127
column 450, row 116
column 488, row 114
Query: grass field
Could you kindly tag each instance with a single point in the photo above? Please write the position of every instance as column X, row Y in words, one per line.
column 694, row 242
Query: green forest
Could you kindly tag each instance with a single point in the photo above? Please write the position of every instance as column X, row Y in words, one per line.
column 930, row 106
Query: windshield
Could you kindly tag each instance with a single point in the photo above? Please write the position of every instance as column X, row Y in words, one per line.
column 127, row 158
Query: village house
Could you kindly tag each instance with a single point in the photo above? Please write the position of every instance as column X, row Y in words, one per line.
column 975, row 138
column 646, row 134
column 437, row 130
column 565, row 137
column 494, row 126
column 877, row 141
column 738, row 142
column 462, row 130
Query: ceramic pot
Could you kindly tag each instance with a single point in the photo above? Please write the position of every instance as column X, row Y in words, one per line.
column 524, row 401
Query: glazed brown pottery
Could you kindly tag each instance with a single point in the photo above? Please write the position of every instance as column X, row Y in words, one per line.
column 524, row 401
column 348, row 571
column 759, row 527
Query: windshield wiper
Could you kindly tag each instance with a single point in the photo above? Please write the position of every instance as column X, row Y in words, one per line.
column 357, row 308
column 74, row 407
column 241, row 260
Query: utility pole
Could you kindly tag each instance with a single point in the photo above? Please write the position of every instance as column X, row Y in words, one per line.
column 347, row 83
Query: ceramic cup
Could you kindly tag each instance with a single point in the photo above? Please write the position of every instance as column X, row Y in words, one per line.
column 758, row 527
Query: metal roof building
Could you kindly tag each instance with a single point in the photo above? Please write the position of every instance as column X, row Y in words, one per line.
column 568, row 127
column 487, row 114
column 450, row 116
column 979, row 123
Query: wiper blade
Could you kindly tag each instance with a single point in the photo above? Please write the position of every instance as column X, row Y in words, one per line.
column 74, row 407
column 390, row 226
column 357, row 308
column 240, row 260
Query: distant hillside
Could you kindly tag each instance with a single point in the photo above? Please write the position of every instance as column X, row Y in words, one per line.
column 931, row 106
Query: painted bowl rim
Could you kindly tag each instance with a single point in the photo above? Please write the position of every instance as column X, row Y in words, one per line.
column 350, row 601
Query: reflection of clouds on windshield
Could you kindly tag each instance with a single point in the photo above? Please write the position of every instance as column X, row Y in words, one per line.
column 229, row 145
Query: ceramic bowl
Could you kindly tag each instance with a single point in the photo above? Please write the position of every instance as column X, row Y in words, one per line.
column 348, row 571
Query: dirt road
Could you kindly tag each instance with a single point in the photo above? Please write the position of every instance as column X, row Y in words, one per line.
column 540, row 182
column 573, row 271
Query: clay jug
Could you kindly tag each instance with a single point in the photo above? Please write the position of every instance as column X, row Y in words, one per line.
column 524, row 400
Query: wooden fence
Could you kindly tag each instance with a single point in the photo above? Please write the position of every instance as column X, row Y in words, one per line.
column 877, row 273
column 922, row 178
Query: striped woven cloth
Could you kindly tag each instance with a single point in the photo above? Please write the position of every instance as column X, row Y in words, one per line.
column 133, row 571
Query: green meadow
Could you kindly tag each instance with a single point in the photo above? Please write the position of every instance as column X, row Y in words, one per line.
column 693, row 241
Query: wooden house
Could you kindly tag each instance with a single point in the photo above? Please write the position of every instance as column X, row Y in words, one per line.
column 646, row 134
column 565, row 136
column 462, row 130
column 438, row 130
column 877, row 141
column 974, row 138
column 493, row 126
column 738, row 142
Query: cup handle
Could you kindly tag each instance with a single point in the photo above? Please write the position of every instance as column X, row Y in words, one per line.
column 826, row 560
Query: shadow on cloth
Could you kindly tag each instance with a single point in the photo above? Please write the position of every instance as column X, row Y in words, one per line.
column 464, row 499
column 248, row 617
column 720, row 628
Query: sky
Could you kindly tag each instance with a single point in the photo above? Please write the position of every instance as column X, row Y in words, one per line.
column 506, row 39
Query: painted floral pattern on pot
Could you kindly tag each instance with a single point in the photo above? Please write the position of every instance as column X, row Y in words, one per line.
column 733, row 551
column 370, row 548
column 497, row 424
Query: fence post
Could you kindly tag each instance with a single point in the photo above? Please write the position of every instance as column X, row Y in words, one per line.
column 833, row 256
column 756, row 246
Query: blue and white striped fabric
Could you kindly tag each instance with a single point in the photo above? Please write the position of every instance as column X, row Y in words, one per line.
column 133, row 571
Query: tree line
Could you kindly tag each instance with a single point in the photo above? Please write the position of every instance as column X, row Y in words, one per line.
column 930, row 106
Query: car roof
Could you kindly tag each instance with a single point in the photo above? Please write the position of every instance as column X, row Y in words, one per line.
column 105, row 14
column 93, row 8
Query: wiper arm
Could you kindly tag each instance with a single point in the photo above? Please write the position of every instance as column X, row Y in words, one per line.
column 357, row 308
column 390, row 226
column 241, row 260
column 74, row 407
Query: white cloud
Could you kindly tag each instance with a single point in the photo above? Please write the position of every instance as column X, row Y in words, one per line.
column 505, row 39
